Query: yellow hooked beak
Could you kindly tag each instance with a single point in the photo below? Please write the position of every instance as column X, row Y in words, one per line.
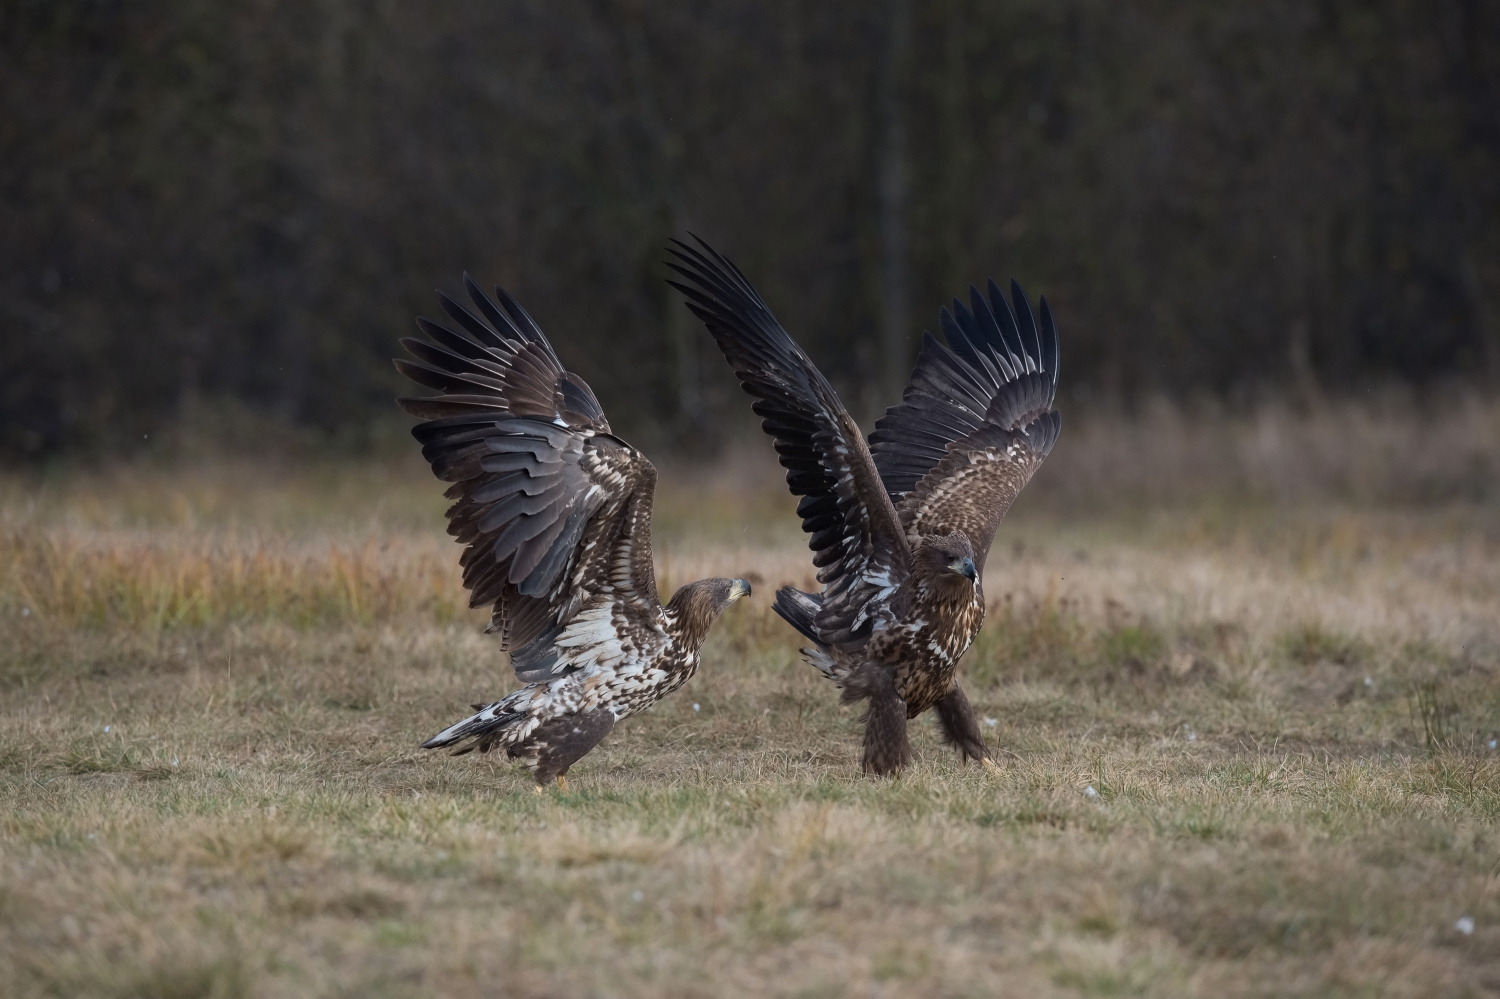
column 739, row 588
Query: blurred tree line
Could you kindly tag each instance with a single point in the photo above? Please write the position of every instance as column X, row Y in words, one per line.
column 208, row 201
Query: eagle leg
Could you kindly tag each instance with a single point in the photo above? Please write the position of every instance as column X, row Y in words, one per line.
column 887, row 748
column 564, row 741
column 960, row 725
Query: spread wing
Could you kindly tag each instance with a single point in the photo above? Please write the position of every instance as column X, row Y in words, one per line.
column 975, row 421
column 555, row 510
column 857, row 540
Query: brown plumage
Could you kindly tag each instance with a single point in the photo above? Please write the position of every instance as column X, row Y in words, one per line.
column 900, row 527
column 555, row 511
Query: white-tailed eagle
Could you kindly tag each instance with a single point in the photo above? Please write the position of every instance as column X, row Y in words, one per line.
column 900, row 528
column 555, row 511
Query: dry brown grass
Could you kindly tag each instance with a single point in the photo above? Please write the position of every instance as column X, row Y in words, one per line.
column 1382, row 448
column 1246, row 752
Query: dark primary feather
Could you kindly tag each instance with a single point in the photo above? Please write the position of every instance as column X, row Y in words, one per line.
column 800, row 610
column 855, row 531
column 976, row 419
column 554, row 510
column 998, row 369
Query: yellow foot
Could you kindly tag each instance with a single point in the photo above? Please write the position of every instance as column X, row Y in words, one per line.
column 537, row 790
column 562, row 783
column 990, row 764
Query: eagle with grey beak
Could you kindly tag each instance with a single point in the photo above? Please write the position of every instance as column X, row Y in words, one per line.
column 900, row 527
column 555, row 514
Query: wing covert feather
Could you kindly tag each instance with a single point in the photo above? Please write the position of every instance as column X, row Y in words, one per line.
column 974, row 485
column 976, row 419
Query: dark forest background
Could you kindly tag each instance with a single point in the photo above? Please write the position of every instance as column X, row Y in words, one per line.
column 215, row 207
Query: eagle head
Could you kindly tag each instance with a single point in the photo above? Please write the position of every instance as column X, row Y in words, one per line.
column 944, row 556
column 696, row 606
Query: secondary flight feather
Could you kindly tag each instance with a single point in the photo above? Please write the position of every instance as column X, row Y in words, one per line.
column 900, row 526
column 555, row 512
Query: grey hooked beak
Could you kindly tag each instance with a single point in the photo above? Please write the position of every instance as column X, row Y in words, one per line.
column 964, row 567
column 739, row 588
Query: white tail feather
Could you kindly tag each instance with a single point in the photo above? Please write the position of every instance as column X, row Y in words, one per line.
column 472, row 725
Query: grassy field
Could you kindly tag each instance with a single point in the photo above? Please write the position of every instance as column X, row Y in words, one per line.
column 1247, row 749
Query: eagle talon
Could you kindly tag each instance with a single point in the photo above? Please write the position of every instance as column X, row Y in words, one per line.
column 562, row 783
column 536, row 792
column 989, row 764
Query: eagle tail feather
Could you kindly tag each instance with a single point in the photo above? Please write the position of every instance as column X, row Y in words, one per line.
column 799, row 610
column 490, row 719
column 818, row 658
